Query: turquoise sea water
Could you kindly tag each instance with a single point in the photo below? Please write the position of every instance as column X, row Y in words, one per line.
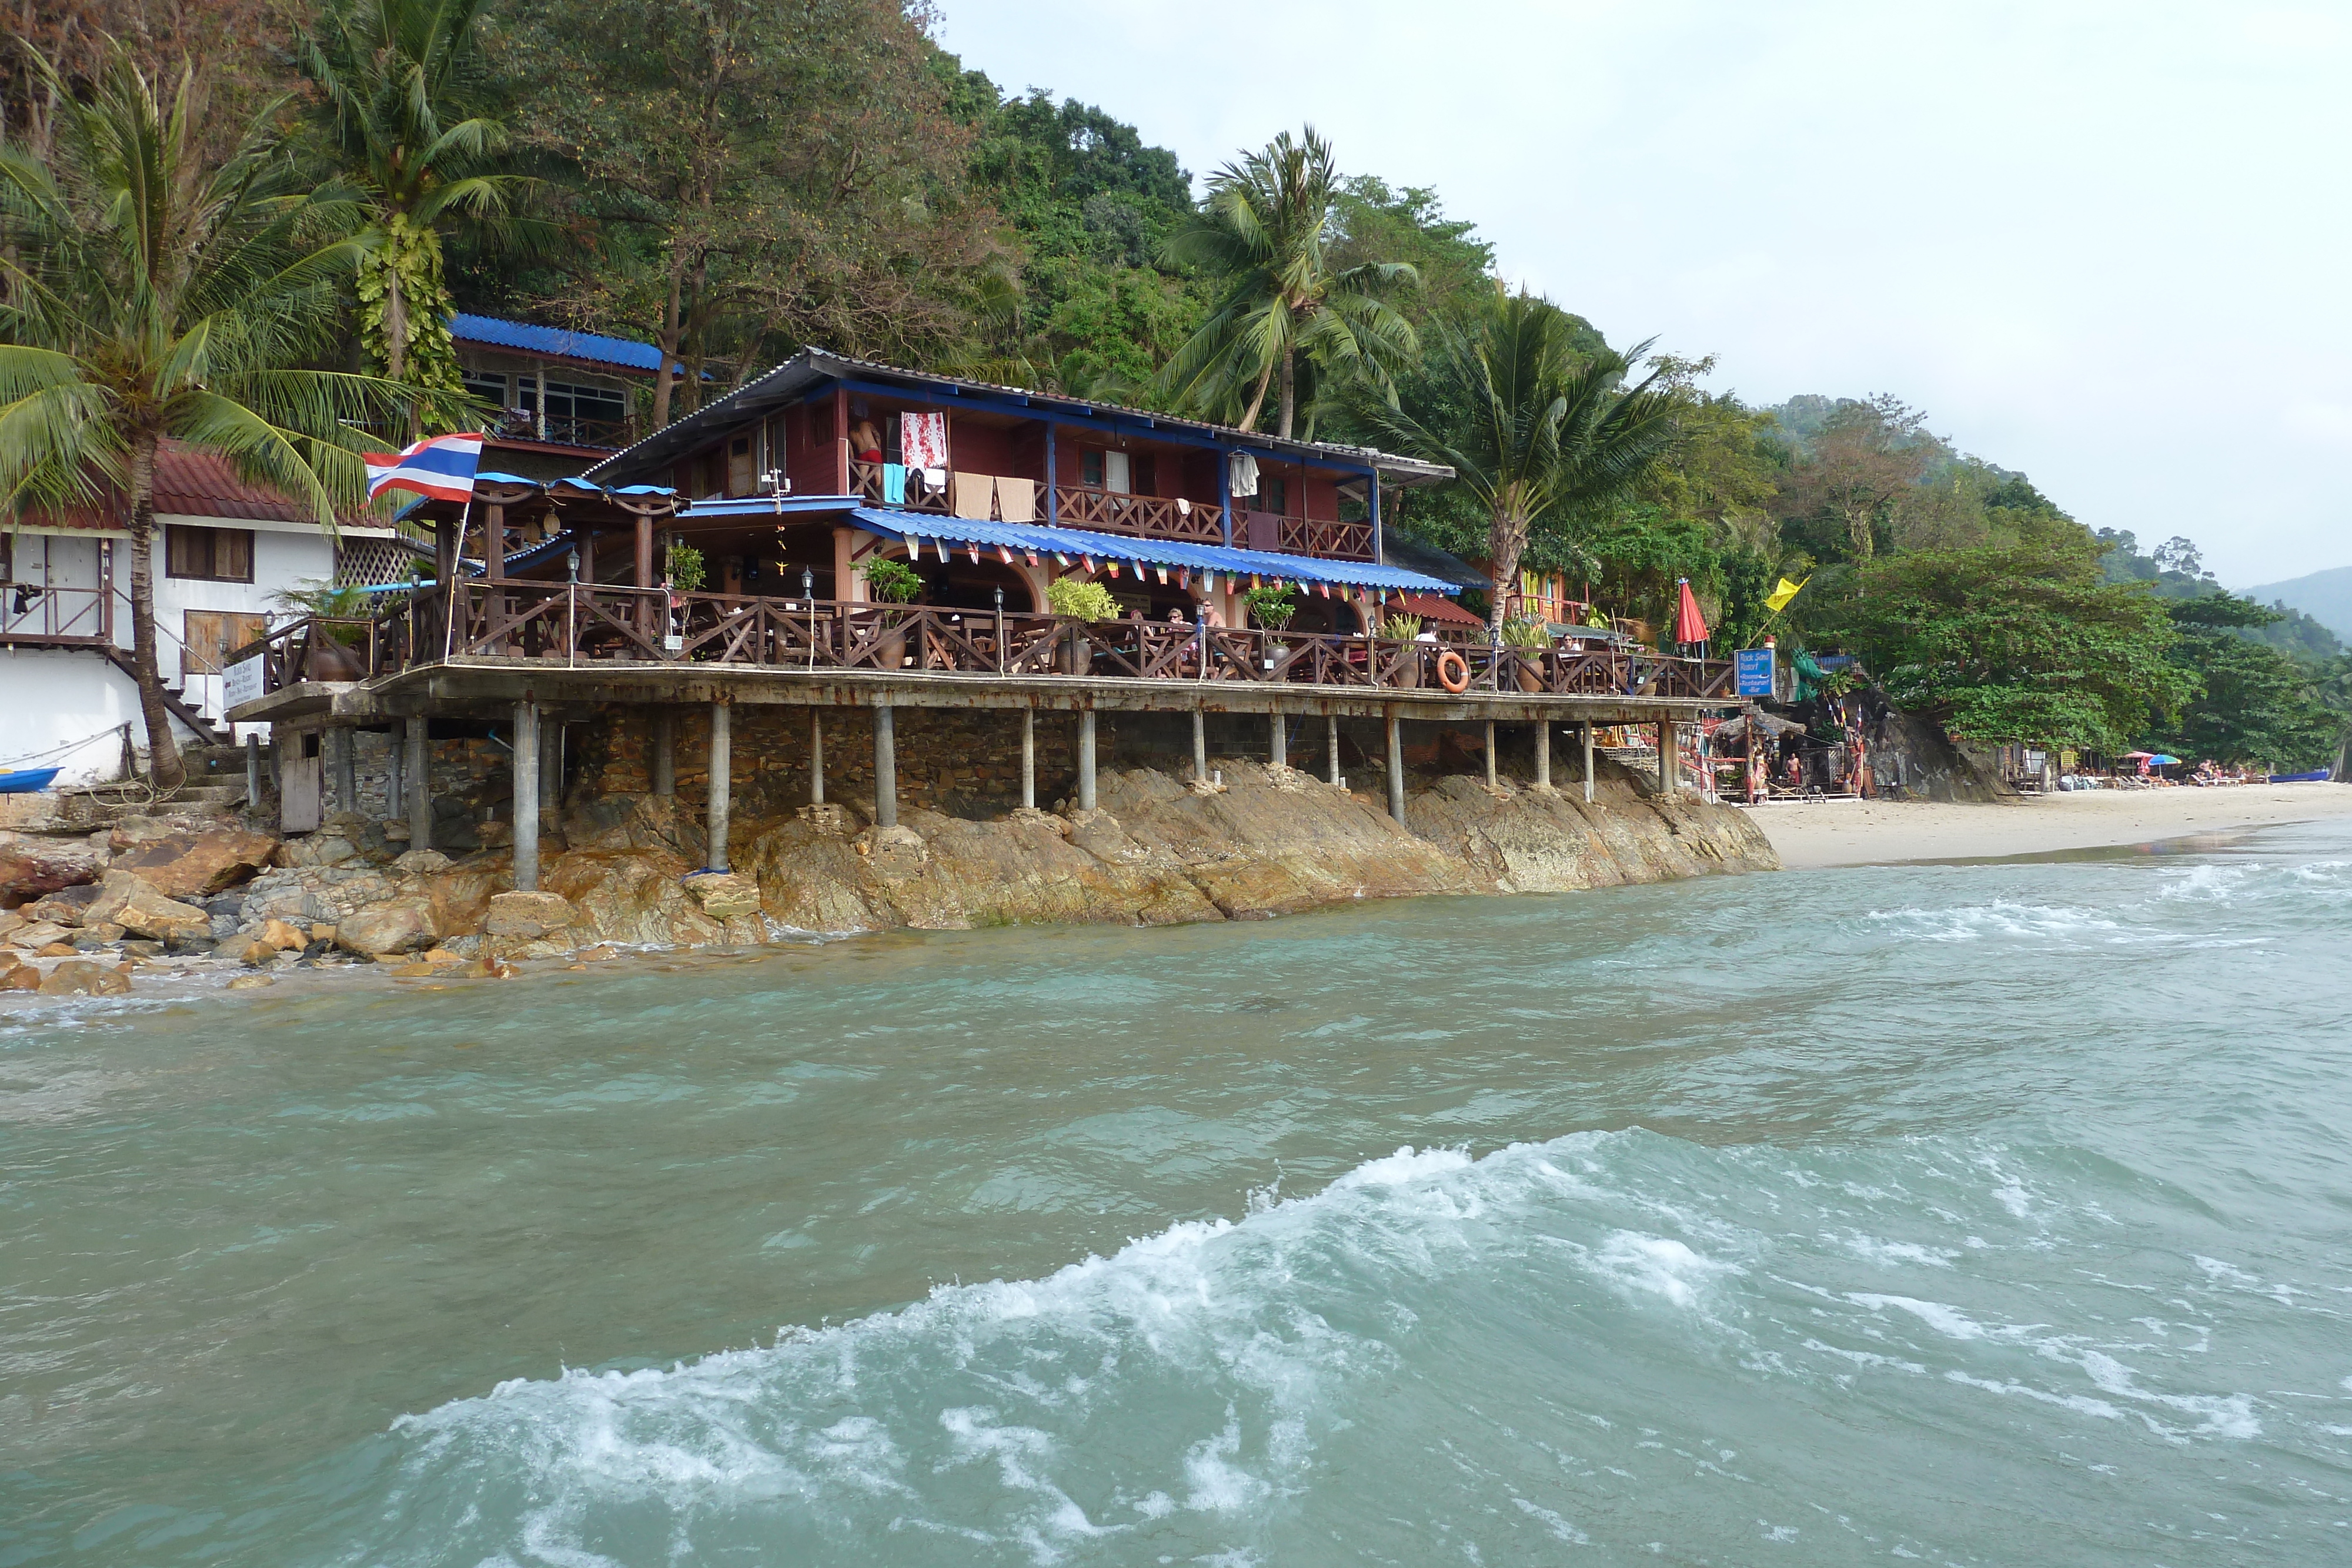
column 1985, row 1214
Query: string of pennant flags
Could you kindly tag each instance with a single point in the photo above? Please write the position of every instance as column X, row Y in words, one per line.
column 1113, row 568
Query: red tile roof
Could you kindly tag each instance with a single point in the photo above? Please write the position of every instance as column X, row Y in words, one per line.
column 189, row 482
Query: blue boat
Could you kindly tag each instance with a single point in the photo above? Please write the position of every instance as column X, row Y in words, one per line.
column 27, row 781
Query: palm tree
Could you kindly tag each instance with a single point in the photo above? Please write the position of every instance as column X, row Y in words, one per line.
column 1265, row 228
column 1532, row 427
column 146, row 293
column 397, row 78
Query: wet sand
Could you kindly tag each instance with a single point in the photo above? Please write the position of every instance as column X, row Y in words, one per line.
column 1871, row 833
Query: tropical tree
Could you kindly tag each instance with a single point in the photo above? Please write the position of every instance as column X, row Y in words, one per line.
column 1534, row 428
column 1267, row 230
column 397, row 81
column 148, row 292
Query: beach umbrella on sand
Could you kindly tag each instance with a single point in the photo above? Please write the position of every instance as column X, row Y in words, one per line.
column 2159, row 759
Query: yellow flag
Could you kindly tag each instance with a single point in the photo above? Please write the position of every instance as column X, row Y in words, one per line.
column 1779, row 599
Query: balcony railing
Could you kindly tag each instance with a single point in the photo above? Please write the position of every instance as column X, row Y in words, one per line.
column 576, row 625
column 32, row 613
column 1149, row 517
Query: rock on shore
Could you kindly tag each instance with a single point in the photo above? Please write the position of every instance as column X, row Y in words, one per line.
column 1157, row 851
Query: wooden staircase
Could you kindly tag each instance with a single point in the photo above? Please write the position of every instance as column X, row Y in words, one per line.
column 174, row 700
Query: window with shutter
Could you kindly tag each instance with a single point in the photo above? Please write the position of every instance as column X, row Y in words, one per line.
column 208, row 555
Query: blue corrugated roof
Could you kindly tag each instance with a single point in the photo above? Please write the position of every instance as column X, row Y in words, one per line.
column 524, row 338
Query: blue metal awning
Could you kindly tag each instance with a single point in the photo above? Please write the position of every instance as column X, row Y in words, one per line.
column 1077, row 544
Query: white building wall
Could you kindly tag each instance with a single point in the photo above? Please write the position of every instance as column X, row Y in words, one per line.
column 64, row 709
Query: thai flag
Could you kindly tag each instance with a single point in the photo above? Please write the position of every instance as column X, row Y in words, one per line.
column 440, row 468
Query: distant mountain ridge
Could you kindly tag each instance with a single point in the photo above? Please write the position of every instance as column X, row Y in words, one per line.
column 2325, row 596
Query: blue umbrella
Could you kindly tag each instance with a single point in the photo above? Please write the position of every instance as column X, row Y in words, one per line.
column 2161, row 760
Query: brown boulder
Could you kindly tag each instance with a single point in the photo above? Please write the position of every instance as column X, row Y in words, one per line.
column 31, row 866
column 400, row 924
column 724, row 895
column 19, row 977
column 196, row 865
column 63, row 907
column 284, row 937
column 529, row 916
column 79, row 977
column 131, row 902
column 243, row 948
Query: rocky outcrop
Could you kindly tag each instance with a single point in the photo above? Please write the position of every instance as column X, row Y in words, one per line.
column 130, row 901
column 31, row 866
column 185, row 858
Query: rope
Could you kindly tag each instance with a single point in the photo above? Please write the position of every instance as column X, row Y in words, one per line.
column 68, row 746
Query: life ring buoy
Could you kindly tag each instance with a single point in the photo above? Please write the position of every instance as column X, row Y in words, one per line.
column 1459, row 683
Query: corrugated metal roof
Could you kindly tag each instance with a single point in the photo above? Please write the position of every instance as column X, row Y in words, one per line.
column 189, row 483
column 524, row 338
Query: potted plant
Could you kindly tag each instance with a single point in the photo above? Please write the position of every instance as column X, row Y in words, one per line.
column 1077, row 601
column 1270, row 609
column 1527, row 640
column 889, row 580
column 327, row 650
column 1404, row 629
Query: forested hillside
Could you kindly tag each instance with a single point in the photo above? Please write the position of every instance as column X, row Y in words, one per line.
column 733, row 179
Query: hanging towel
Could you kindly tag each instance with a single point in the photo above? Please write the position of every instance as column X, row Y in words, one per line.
column 970, row 495
column 894, row 484
column 1016, row 500
column 1183, row 508
column 1245, row 475
column 923, row 440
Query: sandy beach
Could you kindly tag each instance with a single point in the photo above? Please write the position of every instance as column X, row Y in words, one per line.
column 1869, row 832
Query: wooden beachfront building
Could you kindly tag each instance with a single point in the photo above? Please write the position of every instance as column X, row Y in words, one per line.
column 555, row 598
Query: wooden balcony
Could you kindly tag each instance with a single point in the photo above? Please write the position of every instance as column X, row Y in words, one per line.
column 1149, row 517
column 34, row 616
column 576, row 625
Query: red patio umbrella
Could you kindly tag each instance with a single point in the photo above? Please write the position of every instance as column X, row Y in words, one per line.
column 1690, row 626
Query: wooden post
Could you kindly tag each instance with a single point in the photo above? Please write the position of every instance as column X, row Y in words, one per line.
column 494, row 543
column 1053, row 482
column 1396, row 768
column 347, row 772
column 526, row 796
column 816, row 757
column 1199, row 746
column 252, row 771
column 1277, row 739
column 1085, row 759
column 841, row 452
column 664, row 760
column 1588, row 762
column 886, row 766
column 722, row 783
column 1543, row 754
column 1029, row 752
column 1331, row 746
column 1491, row 781
column 420, row 785
column 645, row 578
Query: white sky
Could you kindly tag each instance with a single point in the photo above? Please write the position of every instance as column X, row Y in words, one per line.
column 2104, row 244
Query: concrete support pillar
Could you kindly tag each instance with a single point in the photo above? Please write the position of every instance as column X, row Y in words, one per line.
column 1543, row 754
column 252, row 771
column 526, row 796
column 1331, row 746
column 1277, row 739
column 1029, row 759
column 1396, row 768
column 665, row 767
column 1491, row 780
column 551, row 767
column 343, row 742
column 1670, row 762
column 1085, row 759
column 1587, row 763
column 886, row 766
column 722, row 783
column 395, row 765
column 1199, row 746
column 816, row 757
column 420, row 785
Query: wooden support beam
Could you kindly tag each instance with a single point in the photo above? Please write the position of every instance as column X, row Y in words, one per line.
column 526, row 796
column 1029, row 753
column 664, row 758
column 1396, row 768
column 885, row 768
column 816, row 757
column 722, row 783
column 420, row 784
column 645, row 578
column 1085, row 759
column 1331, row 747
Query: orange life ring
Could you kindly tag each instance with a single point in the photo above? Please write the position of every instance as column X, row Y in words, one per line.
column 1457, row 686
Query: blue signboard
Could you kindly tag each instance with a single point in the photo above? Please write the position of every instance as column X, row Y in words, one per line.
column 1753, row 669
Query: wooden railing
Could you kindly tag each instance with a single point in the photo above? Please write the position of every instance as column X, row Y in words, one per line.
column 573, row 625
column 68, row 617
column 865, row 482
column 1331, row 539
column 1149, row 517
